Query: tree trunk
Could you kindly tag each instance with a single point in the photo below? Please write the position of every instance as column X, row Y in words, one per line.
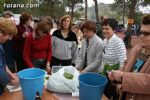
column 96, row 11
column 86, row 9
column 72, row 9
column 124, row 6
column 131, row 16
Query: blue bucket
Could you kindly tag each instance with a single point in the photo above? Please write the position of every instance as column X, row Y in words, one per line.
column 91, row 86
column 31, row 80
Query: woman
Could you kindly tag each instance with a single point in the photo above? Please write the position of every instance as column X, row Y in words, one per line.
column 89, row 58
column 134, row 80
column 114, row 53
column 8, row 46
column 37, row 49
column 64, row 44
column 24, row 29
column 79, row 35
column 7, row 30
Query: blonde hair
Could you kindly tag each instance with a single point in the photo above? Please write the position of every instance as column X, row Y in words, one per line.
column 7, row 26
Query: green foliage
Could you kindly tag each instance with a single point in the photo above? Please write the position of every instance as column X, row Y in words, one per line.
column 73, row 5
column 44, row 8
column 138, row 18
column 51, row 8
column 1, row 6
column 119, row 5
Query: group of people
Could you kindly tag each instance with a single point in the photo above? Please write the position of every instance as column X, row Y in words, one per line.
column 36, row 47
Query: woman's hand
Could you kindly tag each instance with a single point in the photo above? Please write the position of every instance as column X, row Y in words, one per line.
column 14, row 79
column 117, row 75
column 110, row 76
column 25, row 34
column 48, row 69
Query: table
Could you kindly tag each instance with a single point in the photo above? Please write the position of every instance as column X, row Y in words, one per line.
column 47, row 95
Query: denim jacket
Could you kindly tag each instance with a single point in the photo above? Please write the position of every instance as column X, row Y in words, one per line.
column 4, row 77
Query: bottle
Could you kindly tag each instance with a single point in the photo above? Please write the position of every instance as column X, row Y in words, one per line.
column 38, row 96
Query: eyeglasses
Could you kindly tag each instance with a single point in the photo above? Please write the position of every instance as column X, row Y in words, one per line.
column 145, row 33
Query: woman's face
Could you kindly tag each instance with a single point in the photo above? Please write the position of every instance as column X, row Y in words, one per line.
column 66, row 23
column 28, row 23
column 145, row 35
column 107, row 31
column 4, row 38
column 87, row 33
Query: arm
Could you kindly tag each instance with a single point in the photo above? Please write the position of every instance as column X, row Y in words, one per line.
column 27, row 51
column 49, row 55
column 97, row 60
column 22, row 33
column 120, row 51
column 79, row 61
column 49, row 51
column 19, row 35
column 136, row 83
column 74, row 52
column 14, row 78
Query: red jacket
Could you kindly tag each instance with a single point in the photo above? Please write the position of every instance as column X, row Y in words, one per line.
column 18, row 38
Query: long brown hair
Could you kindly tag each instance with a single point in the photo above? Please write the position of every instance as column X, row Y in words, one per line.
column 63, row 18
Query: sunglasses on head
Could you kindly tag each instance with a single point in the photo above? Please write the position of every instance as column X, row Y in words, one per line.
column 145, row 33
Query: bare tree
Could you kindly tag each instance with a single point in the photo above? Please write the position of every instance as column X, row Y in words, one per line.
column 131, row 17
column 96, row 11
column 86, row 5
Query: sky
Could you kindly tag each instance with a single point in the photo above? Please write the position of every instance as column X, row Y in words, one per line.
column 91, row 2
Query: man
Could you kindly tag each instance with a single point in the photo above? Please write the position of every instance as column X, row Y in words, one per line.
column 90, row 56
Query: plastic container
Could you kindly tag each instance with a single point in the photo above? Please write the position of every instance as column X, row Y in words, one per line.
column 32, row 81
column 91, row 86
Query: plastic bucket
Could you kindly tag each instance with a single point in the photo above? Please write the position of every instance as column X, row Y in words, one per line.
column 91, row 86
column 31, row 80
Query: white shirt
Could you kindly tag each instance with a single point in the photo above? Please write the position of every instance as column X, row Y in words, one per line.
column 114, row 51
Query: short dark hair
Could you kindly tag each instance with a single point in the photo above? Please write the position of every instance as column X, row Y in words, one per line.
column 111, row 22
column 25, row 17
column 8, row 13
column 146, row 20
column 89, row 25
